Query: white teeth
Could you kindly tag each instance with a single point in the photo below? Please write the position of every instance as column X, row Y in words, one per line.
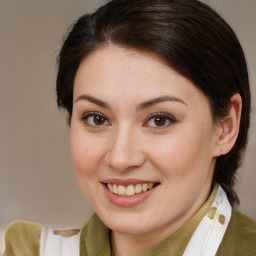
column 110, row 187
column 150, row 185
column 115, row 189
column 138, row 188
column 130, row 190
column 145, row 187
column 121, row 190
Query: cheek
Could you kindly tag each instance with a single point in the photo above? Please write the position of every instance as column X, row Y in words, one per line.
column 85, row 153
column 179, row 155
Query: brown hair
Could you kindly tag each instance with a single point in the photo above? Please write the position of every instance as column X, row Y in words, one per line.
column 189, row 37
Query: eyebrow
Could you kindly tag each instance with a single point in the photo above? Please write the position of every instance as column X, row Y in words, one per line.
column 139, row 107
column 93, row 100
column 158, row 100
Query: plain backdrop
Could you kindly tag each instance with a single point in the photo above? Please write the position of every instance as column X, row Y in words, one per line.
column 36, row 176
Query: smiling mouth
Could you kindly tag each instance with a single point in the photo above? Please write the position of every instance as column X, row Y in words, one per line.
column 130, row 190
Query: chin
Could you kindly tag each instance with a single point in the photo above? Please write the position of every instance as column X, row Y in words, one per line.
column 130, row 228
column 126, row 223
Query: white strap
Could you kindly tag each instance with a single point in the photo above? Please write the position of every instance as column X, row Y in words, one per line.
column 52, row 243
column 209, row 233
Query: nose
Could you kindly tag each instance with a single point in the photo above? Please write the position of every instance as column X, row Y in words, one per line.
column 125, row 150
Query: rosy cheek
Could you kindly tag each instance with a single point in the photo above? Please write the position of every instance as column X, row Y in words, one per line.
column 82, row 161
column 176, row 157
column 85, row 155
column 78, row 154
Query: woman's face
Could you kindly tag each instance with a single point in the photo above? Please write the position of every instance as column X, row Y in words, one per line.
column 136, row 123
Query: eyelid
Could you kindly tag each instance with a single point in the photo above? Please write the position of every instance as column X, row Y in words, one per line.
column 161, row 114
column 92, row 113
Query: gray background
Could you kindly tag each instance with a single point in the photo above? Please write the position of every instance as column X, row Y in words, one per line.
column 36, row 177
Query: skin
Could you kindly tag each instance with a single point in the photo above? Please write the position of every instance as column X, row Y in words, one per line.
column 179, row 155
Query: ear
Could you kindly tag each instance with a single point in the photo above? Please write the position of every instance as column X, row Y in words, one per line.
column 228, row 129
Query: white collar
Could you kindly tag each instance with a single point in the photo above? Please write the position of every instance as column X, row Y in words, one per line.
column 210, row 232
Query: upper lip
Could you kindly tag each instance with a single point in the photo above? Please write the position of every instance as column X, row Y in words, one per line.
column 127, row 182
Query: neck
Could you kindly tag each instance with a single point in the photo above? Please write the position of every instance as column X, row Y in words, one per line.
column 134, row 244
column 131, row 245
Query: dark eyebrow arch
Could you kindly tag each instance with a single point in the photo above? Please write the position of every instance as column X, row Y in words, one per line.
column 93, row 100
column 159, row 100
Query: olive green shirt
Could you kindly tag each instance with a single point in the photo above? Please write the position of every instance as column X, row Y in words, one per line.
column 23, row 238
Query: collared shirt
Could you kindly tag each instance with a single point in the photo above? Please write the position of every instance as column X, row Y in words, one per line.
column 23, row 238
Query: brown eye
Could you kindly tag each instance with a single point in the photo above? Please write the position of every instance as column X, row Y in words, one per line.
column 99, row 120
column 160, row 121
column 95, row 119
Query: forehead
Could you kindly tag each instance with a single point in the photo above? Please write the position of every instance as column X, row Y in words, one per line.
column 114, row 60
column 127, row 73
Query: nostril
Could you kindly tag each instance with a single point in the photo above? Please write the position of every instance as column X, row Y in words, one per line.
column 126, row 162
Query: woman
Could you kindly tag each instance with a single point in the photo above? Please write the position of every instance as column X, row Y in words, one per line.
column 158, row 99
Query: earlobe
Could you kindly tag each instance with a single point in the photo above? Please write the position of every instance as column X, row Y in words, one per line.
column 229, row 127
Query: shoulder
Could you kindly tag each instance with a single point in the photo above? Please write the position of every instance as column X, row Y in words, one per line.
column 22, row 238
column 240, row 237
column 242, row 227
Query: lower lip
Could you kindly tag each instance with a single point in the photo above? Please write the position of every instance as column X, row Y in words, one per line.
column 127, row 201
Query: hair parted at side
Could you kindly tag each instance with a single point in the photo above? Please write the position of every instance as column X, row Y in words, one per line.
column 189, row 37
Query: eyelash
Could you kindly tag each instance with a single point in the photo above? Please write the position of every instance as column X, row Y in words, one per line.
column 166, row 117
column 85, row 119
